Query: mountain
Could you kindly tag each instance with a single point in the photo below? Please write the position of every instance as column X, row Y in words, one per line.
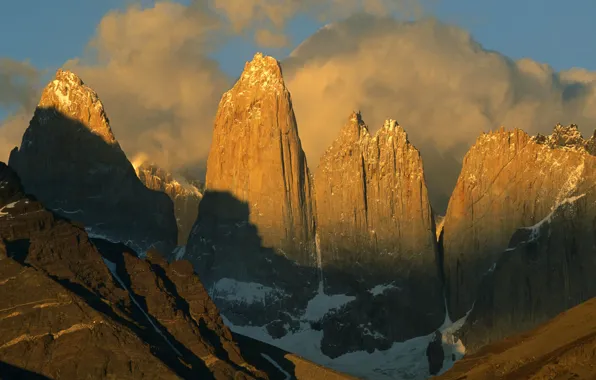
column 270, row 266
column 256, row 156
column 253, row 241
column 96, row 309
column 376, row 235
column 562, row 348
column 186, row 196
column 519, row 235
column 72, row 306
column 70, row 160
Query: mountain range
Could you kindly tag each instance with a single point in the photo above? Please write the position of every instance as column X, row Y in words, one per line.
column 346, row 265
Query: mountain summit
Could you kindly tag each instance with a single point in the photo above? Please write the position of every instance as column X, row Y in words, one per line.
column 376, row 234
column 70, row 160
column 68, row 95
column 256, row 157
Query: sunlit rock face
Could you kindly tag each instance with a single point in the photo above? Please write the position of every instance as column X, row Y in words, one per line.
column 518, row 234
column 376, row 232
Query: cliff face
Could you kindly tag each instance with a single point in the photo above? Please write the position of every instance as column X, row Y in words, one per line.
column 253, row 243
column 375, row 227
column 76, row 307
column 256, row 156
column 186, row 197
column 70, row 160
column 509, row 181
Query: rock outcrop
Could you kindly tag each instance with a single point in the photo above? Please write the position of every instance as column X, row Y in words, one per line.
column 256, row 157
column 75, row 307
column 253, row 243
column 186, row 196
column 548, row 268
column 541, row 187
column 376, row 234
column 70, row 160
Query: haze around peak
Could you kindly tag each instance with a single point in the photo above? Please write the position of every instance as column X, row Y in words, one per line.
column 154, row 70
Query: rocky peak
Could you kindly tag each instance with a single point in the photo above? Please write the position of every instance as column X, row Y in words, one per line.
column 136, row 318
column 185, row 195
column 354, row 130
column 264, row 71
column 256, row 156
column 70, row 96
column 69, row 160
column 565, row 137
column 156, row 178
column 375, row 228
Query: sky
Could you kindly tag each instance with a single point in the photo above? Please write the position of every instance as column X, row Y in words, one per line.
column 548, row 31
column 164, row 76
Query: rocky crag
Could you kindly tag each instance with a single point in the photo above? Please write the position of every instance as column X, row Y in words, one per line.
column 70, row 160
column 519, row 232
column 376, row 235
column 97, row 310
column 253, row 243
column 256, row 156
column 72, row 306
column 349, row 265
column 186, row 196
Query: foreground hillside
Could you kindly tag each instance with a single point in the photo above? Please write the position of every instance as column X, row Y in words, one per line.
column 563, row 348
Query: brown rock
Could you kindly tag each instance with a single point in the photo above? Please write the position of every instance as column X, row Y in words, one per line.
column 548, row 268
column 70, row 160
column 372, row 204
column 186, row 196
column 67, row 310
column 509, row 180
column 256, row 156
column 375, row 227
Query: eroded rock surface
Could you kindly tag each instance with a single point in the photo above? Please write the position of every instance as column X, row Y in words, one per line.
column 256, row 157
column 72, row 307
column 548, row 268
column 376, row 236
column 253, row 243
column 70, row 160
column 513, row 181
column 186, row 196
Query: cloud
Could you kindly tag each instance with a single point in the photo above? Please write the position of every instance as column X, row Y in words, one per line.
column 275, row 14
column 152, row 72
column 150, row 66
column 18, row 82
column 19, row 93
column 270, row 39
column 440, row 84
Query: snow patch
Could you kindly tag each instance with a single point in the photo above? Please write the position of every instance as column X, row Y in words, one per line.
column 380, row 289
column 179, row 252
column 322, row 304
column 404, row 360
column 230, row 290
column 535, row 229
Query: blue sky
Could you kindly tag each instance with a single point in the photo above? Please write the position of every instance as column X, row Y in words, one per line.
column 48, row 33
